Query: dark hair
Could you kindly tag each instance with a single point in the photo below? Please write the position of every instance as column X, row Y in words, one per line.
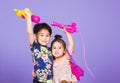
column 58, row 38
column 39, row 26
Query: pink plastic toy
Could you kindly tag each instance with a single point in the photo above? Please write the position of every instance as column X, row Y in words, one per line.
column 35, row 18
column 70, row 28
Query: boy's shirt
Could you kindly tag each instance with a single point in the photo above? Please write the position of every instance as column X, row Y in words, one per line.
column 43, row 62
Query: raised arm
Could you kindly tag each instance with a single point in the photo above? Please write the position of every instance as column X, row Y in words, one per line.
column 70, row 42
column 29, row 28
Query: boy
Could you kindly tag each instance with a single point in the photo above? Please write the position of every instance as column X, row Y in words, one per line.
column 39, row 38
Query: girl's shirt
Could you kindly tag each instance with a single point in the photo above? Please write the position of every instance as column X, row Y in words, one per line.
column 62, row 71
column 43, row 60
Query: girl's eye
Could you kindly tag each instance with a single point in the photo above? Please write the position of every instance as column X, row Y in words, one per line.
column 59, row 47
column 54, row 48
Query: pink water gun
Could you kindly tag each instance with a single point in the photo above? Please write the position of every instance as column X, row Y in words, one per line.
column 21, row 13
column 69, row 28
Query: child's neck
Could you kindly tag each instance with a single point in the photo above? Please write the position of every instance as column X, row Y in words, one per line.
column 59, row 58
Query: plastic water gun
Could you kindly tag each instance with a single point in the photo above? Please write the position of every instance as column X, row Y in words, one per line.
column 69, row 28
column 21, row 13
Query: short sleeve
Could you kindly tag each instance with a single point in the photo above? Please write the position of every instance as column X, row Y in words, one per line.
column 35, row 45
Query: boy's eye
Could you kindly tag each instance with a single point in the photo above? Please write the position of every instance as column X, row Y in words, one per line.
column 47, row 35
column 41, row 35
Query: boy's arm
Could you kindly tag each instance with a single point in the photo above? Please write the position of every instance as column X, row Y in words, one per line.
column 33, row 73
column 29, row 28
column 70, row 42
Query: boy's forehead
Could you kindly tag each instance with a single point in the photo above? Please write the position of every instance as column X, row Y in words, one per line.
column 44, row 31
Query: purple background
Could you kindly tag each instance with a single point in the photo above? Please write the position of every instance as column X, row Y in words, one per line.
column 98, row 20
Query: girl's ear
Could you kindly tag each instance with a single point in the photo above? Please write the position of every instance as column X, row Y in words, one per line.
column 64, row 51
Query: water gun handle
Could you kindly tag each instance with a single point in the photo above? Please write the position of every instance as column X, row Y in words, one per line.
column 57, row 25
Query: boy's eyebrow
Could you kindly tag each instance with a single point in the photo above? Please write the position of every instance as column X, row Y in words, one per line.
column 43, row 33
column 40, row 32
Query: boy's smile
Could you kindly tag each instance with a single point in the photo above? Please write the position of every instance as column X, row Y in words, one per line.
column 43, row 37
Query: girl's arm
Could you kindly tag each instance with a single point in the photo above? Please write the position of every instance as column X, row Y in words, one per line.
column 29, row 28
column 70, row 42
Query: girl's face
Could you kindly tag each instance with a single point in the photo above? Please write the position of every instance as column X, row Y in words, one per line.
column 43, row 37
column 57, row 49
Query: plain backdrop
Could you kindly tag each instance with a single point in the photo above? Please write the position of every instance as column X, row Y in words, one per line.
column 98, row 20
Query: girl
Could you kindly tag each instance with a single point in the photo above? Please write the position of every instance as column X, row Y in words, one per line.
column 61, row 65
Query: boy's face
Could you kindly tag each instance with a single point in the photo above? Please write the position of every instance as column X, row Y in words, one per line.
column 43, row 37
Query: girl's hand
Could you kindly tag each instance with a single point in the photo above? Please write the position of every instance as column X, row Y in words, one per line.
column 64, row 30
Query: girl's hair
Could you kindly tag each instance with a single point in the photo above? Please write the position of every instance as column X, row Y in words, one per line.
column 58, row 38
column 39, row 26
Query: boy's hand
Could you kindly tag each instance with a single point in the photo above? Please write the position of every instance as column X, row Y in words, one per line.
column 33, row 73
column 27, row 12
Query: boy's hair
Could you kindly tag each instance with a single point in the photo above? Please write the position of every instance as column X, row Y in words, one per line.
column 39, row 26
